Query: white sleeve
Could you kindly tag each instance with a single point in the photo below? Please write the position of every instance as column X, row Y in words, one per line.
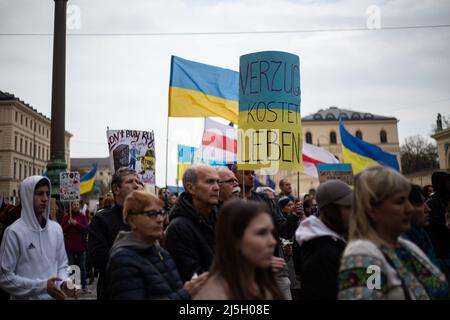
column 61, row 256
column 9, row 281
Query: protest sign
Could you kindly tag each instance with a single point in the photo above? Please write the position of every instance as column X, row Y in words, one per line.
column 339, row 171
column 69, row 186
column 133, row 149
column 270, row 134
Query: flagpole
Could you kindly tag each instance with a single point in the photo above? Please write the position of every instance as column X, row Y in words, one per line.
column 167, row 150
column 298, row 184
column 243, row 185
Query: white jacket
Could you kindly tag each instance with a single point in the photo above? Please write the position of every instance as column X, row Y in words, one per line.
column 30, row 254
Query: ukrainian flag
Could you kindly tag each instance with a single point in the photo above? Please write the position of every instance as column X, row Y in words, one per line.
column 361, row 154
column 186, row 156
column 87, row 181
column 201, row 90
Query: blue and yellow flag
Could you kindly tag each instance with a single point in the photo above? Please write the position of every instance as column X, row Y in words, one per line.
column 87, row 181
column 186, row 157
column 361, row 154
column 201, row 90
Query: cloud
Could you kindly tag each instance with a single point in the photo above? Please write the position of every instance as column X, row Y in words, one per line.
column 122, row 81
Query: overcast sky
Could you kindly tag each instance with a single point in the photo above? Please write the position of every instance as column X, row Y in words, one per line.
column 122, row 81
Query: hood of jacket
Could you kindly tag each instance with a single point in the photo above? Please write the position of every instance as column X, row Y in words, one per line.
column 184, row 208
column 312, row 228
column 128, row 240
column 27, row 200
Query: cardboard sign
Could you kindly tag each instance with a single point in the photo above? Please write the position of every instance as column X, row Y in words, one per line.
column 270, row 132
column 133, row 149
column 69, row 186
column 336, row 171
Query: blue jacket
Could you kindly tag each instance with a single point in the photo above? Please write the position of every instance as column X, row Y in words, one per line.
column 139, row 271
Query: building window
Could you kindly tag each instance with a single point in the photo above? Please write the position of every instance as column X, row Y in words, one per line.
column 383, row 136
column 39, row 152
column 29, row 170
column 308, row 138
column 21, row 142
column 47, row 132
column 26, row 146
column 15, row 170
column 20, row 171
column 332, row 137
column 48, row 156
column 21, row 119
column 359, row 134
column 26, row 121
column 31, row 151
column 15, row 143
column 17, row 116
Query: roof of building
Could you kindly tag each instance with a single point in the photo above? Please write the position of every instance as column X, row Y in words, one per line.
column 332, row 114
column 6, row 96
column 89, row 162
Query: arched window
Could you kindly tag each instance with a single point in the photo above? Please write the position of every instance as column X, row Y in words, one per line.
column 308, row 137
column 332, row 137
column 359, row 134
column 383, row 136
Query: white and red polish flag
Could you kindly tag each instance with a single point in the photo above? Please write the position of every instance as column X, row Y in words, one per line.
column 219, row 143
column 312, row 156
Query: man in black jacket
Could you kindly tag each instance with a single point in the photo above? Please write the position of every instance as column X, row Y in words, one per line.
column 190, row 235
column 107, row 223
column 438, row 230
column 322, row 241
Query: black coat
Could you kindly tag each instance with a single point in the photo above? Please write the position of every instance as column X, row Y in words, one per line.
column 103, row 230
column 143, row 273
column 190, row 238
column 317, row 264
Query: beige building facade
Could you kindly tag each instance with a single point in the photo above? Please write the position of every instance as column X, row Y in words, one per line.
column 443, row 143
column 322, row 129
column 24, row 143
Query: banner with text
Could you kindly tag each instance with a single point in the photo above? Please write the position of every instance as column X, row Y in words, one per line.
column 133, row 149
column 270, row 133
column 338, row 171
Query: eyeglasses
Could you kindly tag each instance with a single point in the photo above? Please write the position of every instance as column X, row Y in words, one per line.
column 153, row 213
column 230, row 181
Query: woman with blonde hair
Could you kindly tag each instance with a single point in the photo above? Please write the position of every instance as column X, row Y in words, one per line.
column 138, row 268
column 377, row 263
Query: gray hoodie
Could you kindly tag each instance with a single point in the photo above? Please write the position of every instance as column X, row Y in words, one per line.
column 127, row 239
column 30, row 254
column 312, row 228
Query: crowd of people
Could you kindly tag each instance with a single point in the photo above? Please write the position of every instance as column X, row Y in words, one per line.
column 382, row 238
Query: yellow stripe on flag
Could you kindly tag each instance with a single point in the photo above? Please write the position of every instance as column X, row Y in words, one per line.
column 181, row 169
column 86, row 186
column 358, row 161
column 191, row 103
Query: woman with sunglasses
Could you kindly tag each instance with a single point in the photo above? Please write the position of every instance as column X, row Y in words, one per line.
column 138, row 268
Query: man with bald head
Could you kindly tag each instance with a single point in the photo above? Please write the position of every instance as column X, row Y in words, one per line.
column 228, row 184
column 190, row 235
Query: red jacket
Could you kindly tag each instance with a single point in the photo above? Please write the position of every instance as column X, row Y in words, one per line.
column 75, row 235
